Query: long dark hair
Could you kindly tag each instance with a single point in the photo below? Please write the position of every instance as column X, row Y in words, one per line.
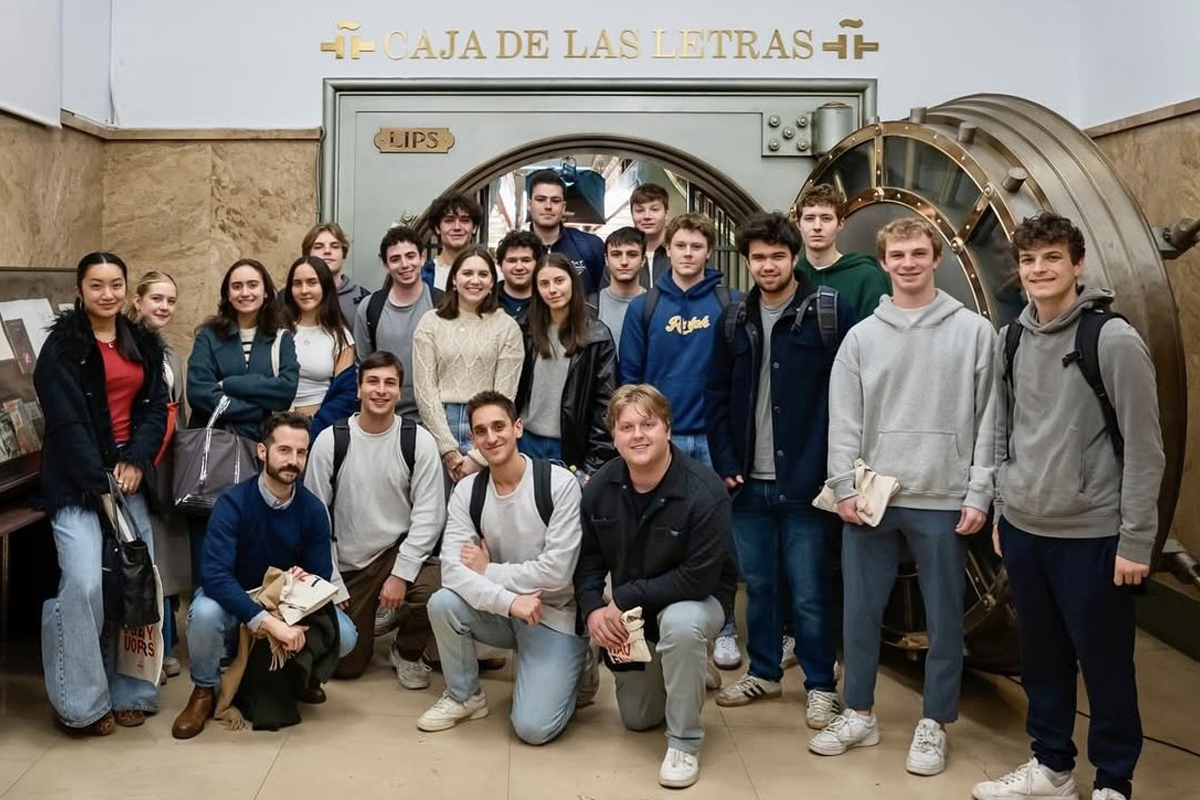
column 574, row 332
column 225, row 321
column 329, row 312
column 126, row 346
column 448, row 308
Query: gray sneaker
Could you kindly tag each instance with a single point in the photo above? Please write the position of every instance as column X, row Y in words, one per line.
column 410, row 674
column 747, row 689
column 386, row 620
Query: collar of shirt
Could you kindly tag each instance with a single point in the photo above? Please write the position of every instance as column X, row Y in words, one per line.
column 273, row 502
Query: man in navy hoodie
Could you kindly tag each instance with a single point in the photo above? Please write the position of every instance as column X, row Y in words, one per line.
column 270, row 520
column 667, row 338
column 547, row 208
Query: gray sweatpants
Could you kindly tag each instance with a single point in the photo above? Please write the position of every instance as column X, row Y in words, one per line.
column 870, row 558
column 671, row 686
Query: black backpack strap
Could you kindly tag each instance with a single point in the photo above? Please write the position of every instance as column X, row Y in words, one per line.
column 341, row 446
column 1012, row 340
column 651, row 304
column 478, row 496
column 1087, row 356
column 541, row 489
column 374, row 312
column 436, row 296
column 827, row 317
column 734, row 319
column 408, row 444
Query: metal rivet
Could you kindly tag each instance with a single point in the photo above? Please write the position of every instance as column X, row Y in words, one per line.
column 788, row 133
column 802, row 146
column 774, row 121
column 773, row 144
column 801, row 122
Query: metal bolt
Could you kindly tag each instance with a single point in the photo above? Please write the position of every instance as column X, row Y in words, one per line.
column 1014, row 179
column 773, row 145
column 802, row 146
column 408, row 217
column 774, row 121
column 788, row 133
column 801, row 122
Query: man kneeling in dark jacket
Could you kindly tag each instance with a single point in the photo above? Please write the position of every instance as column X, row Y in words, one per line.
column 659, row 522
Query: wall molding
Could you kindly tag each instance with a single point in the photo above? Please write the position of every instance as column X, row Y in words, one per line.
column 1150, row 117
column 109, row 133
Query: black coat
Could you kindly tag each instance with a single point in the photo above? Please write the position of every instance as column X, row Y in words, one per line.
column 591, row 377
column 682, row 549
column 79, row 448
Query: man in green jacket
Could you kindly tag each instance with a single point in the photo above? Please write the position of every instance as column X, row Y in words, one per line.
column 857, row 277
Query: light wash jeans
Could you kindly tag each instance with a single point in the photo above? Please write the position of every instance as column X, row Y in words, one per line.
column 671, row 686
column 212, row 631
column 537, row 446
column 78, row 647
column 548, row 663
column 460, row 425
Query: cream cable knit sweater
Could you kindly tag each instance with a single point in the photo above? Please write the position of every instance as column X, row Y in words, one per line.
column 454, row 359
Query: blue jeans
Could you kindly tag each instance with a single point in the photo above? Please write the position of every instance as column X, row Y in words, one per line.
column 1073, row 618
column 671, row 686
column 212, row 631
column 460, row 425
column 870, row 558
column 537, row 446
column 548, row 663
column 78, row 647
column 693, row 445
column 783, row 546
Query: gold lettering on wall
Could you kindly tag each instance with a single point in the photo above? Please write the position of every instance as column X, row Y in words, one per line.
column 414, row 140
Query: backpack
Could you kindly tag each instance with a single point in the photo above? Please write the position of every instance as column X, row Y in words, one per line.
column 653, row 295
column 375, row 311
column 1086, row 354
column 341, row 446
column 541, row 493
column 825, row 299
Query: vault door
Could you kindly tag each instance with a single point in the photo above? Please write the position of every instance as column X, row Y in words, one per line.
column 975, row 167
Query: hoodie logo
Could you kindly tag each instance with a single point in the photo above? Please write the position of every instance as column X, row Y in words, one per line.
column 677, row 324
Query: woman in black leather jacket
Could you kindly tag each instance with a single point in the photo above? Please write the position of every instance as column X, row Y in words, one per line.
column 569, row 372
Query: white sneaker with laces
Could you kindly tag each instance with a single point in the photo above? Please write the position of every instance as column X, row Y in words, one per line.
column 1029, row 781
column 820, row 707
column 726, row 654
column 844, row 732
column 789, row 652
column 448, row 712
column 1107, row 794
column 411, row 674
column 927, row 753
column 386, row 620
column 747, row 689
column 679, row 770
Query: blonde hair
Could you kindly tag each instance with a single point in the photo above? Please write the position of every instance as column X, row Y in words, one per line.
column 908, row 228
column 648, row 399
column 142, row 286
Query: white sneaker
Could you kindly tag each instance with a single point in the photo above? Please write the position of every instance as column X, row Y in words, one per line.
column 789, row 652
column 726, row 654
column 448, row 712
column 386, row 620
column 927, row 753
column 679, row 770
column 1107, row 794
column 747, row 689
column 1029, row 781
column 171, row 666
column 411, row 674
column 712, row 678
column 820, row 708
column 844, row 732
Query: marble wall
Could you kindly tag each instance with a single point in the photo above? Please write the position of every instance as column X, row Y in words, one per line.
column 1160, row 163
column 51, row 194
column 192, row 208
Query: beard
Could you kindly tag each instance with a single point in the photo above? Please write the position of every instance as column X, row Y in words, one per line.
column 284, row 473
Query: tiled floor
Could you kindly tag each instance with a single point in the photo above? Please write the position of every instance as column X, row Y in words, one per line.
column 364, row 744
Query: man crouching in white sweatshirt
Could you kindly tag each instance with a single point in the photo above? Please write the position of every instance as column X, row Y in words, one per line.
column 508, row 560
column 911, row 395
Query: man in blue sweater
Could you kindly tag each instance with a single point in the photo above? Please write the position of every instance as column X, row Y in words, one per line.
column 270, row 520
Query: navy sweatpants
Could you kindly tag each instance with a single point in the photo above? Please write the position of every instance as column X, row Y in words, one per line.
column 1073, row 618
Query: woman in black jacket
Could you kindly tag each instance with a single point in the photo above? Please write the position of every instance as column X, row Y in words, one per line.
column 99, row 379
column 569, row 372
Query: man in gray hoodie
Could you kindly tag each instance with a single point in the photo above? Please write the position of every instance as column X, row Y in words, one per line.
column 1077, row 513
column 911, row 395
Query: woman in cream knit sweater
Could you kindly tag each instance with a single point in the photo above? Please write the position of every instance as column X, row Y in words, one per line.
column 464, row 346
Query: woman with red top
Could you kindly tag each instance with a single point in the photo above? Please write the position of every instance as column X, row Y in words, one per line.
column 99, row 379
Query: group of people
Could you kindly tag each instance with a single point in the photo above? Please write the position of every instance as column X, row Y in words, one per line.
column 572, row 450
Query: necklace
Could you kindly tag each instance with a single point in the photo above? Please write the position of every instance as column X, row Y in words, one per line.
column 109, row 344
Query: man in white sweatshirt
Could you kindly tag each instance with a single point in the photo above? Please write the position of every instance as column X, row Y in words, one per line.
column 387, row 519
column 506, row 582
column 911, row 395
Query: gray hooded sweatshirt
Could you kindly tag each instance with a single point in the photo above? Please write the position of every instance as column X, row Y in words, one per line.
column 913, row 398
column 1062, row 477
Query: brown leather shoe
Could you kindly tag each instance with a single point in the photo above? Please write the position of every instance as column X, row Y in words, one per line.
column 129, row 717
column 101, row 727
column 198, row 710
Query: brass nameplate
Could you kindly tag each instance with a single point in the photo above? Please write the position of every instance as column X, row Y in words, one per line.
column 414, row 140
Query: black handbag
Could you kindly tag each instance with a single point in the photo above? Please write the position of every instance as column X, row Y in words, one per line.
column 128, row 580
column 208, row 461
